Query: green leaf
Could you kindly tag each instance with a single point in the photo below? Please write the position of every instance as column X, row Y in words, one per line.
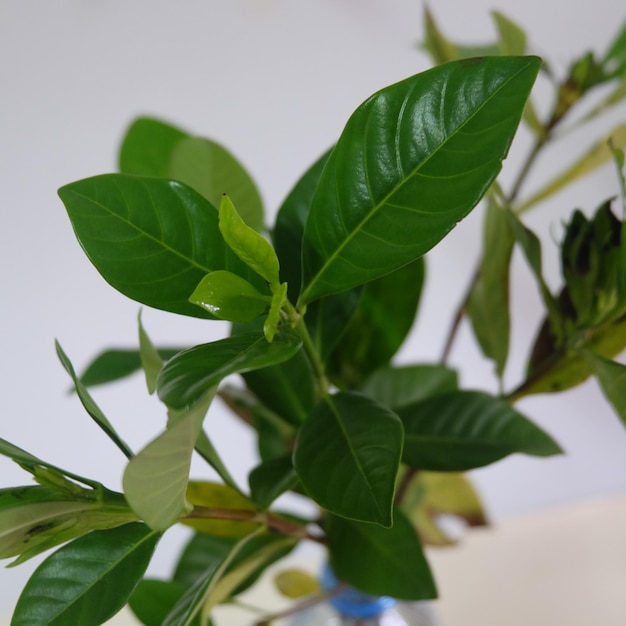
column 216, row 495
column 198, row 555
column 488, row 303
column 153, row 599
column 412, row 161
column 271, row 479
column 155, row 480
column 287, row 389
column 117, row 363
column 255, row 251
column 396, row 387
column 229, row 297
column 462, row 430
column 36, row 518
column 612, row 378
column 98, row 573
column 296, row 583
column 380, row 561
column 273, row 322
column 350, row 440
column 289, row 228
column 90, row 406
column 147, row 147
column 512, row 37
column 382, row 320
column 151, row 360
column 595, row 157
column 188, row 375
column 212, row 171
column 151, row 239
column 614, row 60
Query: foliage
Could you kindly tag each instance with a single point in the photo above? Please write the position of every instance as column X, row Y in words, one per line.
column 320, row 305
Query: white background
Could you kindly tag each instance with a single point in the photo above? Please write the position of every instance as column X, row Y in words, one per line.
column 274, row 81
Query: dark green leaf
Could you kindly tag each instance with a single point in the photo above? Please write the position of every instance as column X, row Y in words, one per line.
column 153, row 599
column 89, row 580
column 380, row 561
column 229, row 297
column 350, row 440
column 382, row 320
column 289, row 229
column 271, row 479
column 151, row 239
column 90, row 406
column 188, row 375
column 212, row 171
column 147, row 147
column 612, row 378
column 488, row 304
column 413, row 160
column 199, row 554
column 117, row 363
column 396, row 387
column 462, row 430
column 287, row 389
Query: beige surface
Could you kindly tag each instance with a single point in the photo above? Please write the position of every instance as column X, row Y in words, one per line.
column 565, row 567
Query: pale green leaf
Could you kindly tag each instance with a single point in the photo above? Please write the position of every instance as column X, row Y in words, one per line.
column 612, row 378
column 151, row 360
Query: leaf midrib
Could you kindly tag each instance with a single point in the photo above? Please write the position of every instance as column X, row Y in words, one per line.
column 379, row 205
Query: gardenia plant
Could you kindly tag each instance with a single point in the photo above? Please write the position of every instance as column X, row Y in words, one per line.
column 320, row 304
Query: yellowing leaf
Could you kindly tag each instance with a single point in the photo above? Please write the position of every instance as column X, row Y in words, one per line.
column 295, row 583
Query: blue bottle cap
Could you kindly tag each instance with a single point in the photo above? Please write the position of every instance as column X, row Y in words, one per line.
column 351, row 602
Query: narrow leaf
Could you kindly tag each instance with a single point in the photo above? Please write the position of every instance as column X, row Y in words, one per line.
column 153, row 599
column 255, row 251
column 151, row 360
column 90, row 406
column 512, row 37
column 595, row 157
column 229, row 297
column 212, row 171
column 151, row 239
column 488, row 304
column 413, row 160
column 350, row 440
column 188, row 375
column 396, row 387
column 273, row 321
column 462, row 430
column 612, row 378
column 380, row 561
column 99, row 572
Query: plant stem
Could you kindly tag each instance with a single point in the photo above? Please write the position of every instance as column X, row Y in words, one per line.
column 271, row 520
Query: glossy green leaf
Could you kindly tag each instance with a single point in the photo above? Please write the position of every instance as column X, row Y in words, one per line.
column 612, row 378
column 251, row 247
column 117, row 363
column 147, row 147
column 155, row 480
column 396, row 387
column 218, row 496
column 151, row 360
column 188, row 375
column 212, row 171
column 488, row 303
column 462, row 430
column 287, row 389
column 274, row 319
column 90, row 406
column 229, row 297
column 380, row 561
column 289, row 229
column 271, row 479
column 350, row 440
column 36, row 518
column 412, row 161
column 99, row 572
column 595, row 157
column 151, row 239
column 153, row 599
column 381, row 322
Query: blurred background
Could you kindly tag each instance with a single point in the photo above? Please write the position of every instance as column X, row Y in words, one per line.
column 274, row 81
